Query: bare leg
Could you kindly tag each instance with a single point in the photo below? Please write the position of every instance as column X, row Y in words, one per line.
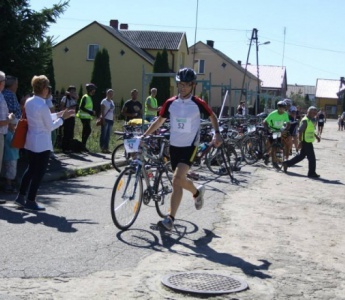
column 180, row 182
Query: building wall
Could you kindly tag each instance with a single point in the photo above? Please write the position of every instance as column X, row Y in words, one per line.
column 331, row 107
column 176, row 60
column 219, row 75
column 73, row 68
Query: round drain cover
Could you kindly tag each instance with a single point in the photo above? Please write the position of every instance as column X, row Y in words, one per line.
column 203, row 283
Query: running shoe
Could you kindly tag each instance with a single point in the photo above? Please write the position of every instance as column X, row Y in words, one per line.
column 168, row 223
column 199, row 201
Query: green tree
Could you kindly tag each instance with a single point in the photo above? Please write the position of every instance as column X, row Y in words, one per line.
column 25, row 50
column 299, row 100
column 101, row 77
column 162, row 84
column 165, row 94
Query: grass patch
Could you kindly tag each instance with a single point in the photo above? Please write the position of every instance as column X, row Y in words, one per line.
column 93, row 141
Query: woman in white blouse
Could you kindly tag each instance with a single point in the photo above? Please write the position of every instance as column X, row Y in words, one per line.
column 38, row 141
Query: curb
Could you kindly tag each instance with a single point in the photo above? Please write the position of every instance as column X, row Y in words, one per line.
column 76, row 172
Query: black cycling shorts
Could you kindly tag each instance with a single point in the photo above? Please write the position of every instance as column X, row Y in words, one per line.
column 183, row 155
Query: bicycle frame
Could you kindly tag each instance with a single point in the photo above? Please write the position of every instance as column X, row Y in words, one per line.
column 156, row 162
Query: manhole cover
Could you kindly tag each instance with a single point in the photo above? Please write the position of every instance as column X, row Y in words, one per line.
column 203, row 283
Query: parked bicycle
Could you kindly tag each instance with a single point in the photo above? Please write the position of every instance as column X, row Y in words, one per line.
column 128, row 192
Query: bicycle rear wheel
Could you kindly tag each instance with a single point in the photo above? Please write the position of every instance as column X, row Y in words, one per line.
column 120, row 158
column 163, row 191
column 126, row 198
column 226, row 164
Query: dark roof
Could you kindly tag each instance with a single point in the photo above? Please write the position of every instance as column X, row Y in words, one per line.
column 118, row 34
column 155, row 40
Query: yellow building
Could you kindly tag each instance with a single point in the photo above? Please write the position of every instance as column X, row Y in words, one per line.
column 218, row 73
column 327, row 97
column 130, row 54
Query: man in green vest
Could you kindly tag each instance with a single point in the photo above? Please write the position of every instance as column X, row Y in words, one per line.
column 306, row 135
column 86, row 112
column 151, row 106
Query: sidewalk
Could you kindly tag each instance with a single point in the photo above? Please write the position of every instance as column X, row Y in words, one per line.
column 64, row 166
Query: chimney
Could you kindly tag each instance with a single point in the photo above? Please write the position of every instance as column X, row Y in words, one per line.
column 124, row 26
column 239, row 62
column 210, row 43
column 114, row 24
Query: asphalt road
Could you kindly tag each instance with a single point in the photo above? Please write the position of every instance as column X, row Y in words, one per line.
column 75, row 236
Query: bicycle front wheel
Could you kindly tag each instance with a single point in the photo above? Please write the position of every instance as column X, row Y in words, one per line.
column 163, row 190
column 278, row 154
column 120, row 158
column 250, row 149
column 126, row 198
column 213, row 160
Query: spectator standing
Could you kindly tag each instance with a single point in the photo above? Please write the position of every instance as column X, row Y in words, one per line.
column 241, row 109
column 107, row 116
column 11, row 156
column 38, row 141
column 151, row 106
column 69, row 101
column 132, row 107
column 86, row 112
column 11, row 86
column 3, row 120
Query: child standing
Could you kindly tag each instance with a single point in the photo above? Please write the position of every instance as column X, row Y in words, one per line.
column 340, row 123
column 11, row 156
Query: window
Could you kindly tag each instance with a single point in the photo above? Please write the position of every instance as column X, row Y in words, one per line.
column 199, row 66
column 92, row 51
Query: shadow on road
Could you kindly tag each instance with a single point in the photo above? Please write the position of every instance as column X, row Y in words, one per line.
column 323, row 180
column 200, row 248
column 20, row 216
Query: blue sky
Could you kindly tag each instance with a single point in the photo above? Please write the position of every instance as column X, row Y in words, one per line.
column 312, row 47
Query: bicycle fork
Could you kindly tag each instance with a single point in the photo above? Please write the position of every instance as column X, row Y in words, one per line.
column 137, row 176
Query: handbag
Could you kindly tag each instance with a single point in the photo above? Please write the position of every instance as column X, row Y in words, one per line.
column 99, row 120
column 19, row 136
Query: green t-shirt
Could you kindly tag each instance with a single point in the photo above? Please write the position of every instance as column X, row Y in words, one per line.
column 276, row 121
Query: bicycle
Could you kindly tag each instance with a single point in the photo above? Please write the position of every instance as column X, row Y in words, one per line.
column 253, row 146
column 120, row 158
column 128, row 191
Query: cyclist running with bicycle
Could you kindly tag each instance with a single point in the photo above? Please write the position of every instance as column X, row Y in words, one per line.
column 184, row 112
column 274, row 122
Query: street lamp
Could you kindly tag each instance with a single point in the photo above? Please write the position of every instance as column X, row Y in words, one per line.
column 257, row 104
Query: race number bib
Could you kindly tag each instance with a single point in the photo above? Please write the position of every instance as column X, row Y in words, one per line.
column 182, row 125
column 132, row 145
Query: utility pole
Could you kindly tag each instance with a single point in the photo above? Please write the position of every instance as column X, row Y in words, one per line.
column 254, row 37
